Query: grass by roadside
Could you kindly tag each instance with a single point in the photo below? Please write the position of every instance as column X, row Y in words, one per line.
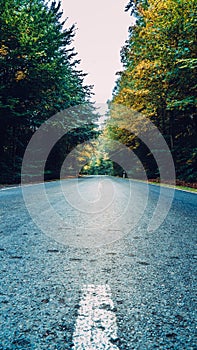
column 178, row 187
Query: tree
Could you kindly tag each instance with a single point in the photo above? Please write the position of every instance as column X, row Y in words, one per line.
column 159, row 74
column 39, row 75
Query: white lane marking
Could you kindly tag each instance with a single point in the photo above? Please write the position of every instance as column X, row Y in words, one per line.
column 96, row 327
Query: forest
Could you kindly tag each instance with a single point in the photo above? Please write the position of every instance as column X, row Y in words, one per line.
column 40, row 77
column 159, row 81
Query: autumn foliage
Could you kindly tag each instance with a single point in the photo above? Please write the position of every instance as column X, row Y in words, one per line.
column 159, row 78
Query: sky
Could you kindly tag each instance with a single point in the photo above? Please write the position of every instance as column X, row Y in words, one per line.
column 102, row 29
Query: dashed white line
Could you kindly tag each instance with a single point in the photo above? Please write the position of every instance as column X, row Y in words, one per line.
column 96, row 327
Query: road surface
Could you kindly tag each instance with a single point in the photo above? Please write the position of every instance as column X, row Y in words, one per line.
column 111, row 284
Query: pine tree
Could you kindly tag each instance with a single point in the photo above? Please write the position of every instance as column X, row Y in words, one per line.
column 39, row 75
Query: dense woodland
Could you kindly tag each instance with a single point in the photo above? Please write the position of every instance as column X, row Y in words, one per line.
column 159, row 80
column 39, row 77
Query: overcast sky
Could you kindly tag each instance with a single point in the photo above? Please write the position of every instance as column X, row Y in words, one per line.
column 102, row 28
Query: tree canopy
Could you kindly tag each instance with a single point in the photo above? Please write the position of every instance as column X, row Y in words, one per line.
column 159, row 78
column 39, row 76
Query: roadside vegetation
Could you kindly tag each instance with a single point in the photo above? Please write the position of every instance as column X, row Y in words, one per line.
column 159, row 81
column 39, row 77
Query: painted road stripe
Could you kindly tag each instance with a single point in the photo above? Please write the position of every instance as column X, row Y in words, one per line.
column 96, row 327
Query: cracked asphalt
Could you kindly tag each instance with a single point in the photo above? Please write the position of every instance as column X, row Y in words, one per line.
column 151, row 275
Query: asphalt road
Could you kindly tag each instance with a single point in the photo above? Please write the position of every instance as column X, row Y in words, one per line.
column 91, row 276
